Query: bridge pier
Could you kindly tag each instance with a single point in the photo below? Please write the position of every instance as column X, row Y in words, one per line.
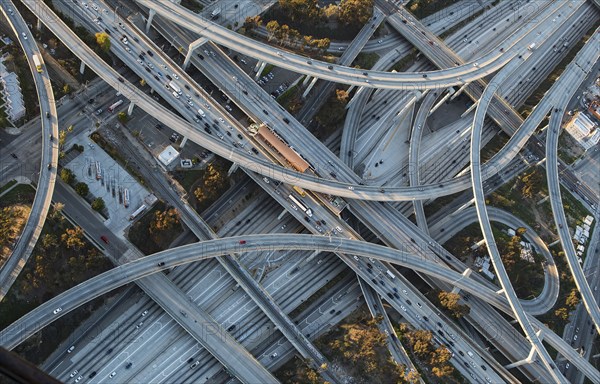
column 306, row 80
column 261, row 67
column 183, row 141
column 130, row 108
column 527, row 360
column 151, row 14
column 192, row 47
column 38, row 25
column 82, row 67
column 467, row 272
column 310, row 87
column 232, row 169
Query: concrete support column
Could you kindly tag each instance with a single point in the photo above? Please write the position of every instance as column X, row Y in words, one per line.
column 306, row 80
column 310, row 86
column 232, row 169
column 183, row 141
column 263, row 64
column 258, row 64
column 191, row 48
column 82, row 67
column 460, row 90
column 149, row 21
column 39, row 25
column 355, row 97
column 130, row 108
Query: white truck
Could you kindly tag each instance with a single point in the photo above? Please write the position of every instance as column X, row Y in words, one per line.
column 215, row 13
column 201, row 112
column 175, row 87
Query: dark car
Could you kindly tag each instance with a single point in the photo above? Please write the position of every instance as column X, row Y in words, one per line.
column 231, row 328
column 92, row 374
column 169, row 77
column 200, row 56
column 330, row 67
column 128, row 365
column 121, row 80
column 14, row 156
column 107, row 31
column 48, row 114
column 265, row 112
column 150, row 52
column 186, row 86
column 104, row 238
column 49, row 165
column 286, row 120
column 242, row 241
column 255, row 150
column 161, row 264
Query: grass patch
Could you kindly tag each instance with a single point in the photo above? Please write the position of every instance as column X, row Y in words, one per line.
column 330, row 117
column 424, row 8
column 52, row 269
column 150, row 240
column 365, row 60
column 114, row 153
column 439, row 203
column 493, row 146
column 192, row 5
column 21, row 194
column 267, row 70
column 402, row 64
column 7, row 185
column 205, row 186
column 569, row 149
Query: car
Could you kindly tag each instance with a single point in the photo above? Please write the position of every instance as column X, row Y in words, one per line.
column 57, row 310
column 144, row 313
column 242, row 241
column 574, row 337
column 128, row 365
column 105, row 239
column 48, row 115
column 169, row 77
column 194, row 365
column 92, row 374
column 14, row 156
column 470, row 354
column 121, row 80
column 175, row 76
column 274, row 355
column 567, row 366
column 161, row 264
column 49, row 165
column 351, row 188
column 112, row 375
column 425, row 318
column 77, row 380
column 24, row 35
column 71, row 349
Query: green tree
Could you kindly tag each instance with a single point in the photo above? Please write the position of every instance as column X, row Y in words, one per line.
column 122, row 116
column 420, row 341
column 342, row 96
column 562, row 313
column 82, row 189
column 98, row 204
column 302, row 10
column 66, row 89
column 67, row 176
column 252, row 22
column 103, row 41
column 73, row 238
column 521, row 231
column 164, row 220
column 62, row 137
column 272, row 29
column 450, row 301
column 572, row 299
column 355, row 12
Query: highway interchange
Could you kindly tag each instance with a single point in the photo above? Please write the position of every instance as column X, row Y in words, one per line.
column 376, row 215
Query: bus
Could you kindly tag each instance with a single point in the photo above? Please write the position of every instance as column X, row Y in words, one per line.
column 299, row 190
column 38, row 63
column 137, row 212
column 114, row 106
column 126, row 198
column 98, row 171
column 300, row 205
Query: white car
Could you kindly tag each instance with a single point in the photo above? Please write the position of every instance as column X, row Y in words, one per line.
column 95, row 7
column 144, row 313
column 151, row 66
column 175, row 76
column 84, row 5
column 24, row 35
column 112, row 375
column 57, row 310
column 221, row 120
column 403, row 308
column 221, row 136
column 128, row 49
column 77, row 380
column 74, row 373
column 190, row 103
column 140, row 61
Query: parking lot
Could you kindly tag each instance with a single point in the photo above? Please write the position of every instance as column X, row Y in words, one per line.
column 108, row 180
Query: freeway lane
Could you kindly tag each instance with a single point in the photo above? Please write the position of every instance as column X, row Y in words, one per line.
column 43, row 197
column 555, row 195
column 19, row 331
column 340, row 74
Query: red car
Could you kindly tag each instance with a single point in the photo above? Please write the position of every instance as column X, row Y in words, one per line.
column 104, row 238
column 242, row 241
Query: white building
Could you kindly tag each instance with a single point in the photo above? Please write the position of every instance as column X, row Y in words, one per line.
column 11, row 94
column 168, row 156
column 583, row 130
